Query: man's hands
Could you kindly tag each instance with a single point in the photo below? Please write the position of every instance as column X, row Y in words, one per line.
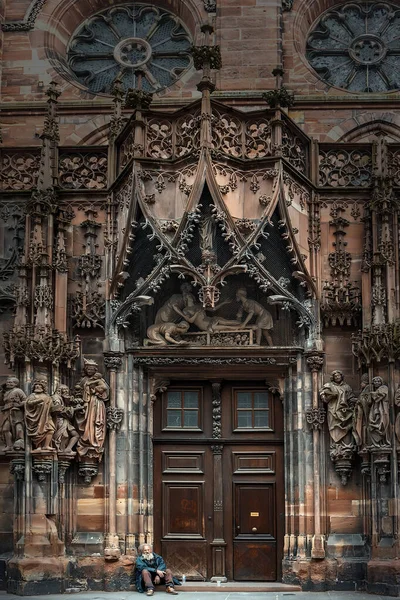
column 160, row 573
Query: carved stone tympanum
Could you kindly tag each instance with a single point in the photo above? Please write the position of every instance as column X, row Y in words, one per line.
column 12, row 413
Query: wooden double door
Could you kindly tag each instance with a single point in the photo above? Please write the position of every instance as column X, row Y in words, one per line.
column 218, row 480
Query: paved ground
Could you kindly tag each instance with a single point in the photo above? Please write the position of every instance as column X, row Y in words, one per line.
column 220, row 595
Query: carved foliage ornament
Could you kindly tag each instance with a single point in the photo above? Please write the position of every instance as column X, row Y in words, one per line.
column 355, row 47
column 29, row 21
column 127, row 40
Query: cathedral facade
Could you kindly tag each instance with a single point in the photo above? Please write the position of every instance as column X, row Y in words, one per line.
column 199, row 292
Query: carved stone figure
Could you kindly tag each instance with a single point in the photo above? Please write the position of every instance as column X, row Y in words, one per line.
column 379, row 419
column 361, row 412
column 65, row 436
column 91, row 421
column 12, row 413
column 264, row 322
column 167, row 314
column 39, row 421
column 161, row 334
column 207, row 229
column 397, row 423
column 195, row 313
column 339, row 397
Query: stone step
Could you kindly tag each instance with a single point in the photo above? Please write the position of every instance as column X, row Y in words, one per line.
column 238, row 586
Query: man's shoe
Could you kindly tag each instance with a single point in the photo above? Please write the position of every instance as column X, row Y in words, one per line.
column 150, row 592
column 171, row 590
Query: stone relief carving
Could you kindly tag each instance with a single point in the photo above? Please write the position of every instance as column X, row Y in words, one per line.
column 39, row 422
column 196, row 314
column 264, row 322
column 215, row 330
column 162, row 333
column 340, row 399
column 12, row 400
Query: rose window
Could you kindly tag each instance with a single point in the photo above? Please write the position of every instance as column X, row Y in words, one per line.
column 129, row 42
column 357, row 47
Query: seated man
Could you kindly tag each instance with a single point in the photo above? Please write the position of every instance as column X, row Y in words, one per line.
column 151, row 570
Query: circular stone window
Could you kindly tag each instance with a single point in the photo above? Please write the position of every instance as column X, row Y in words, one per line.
column 129, row 42
column 357, row 47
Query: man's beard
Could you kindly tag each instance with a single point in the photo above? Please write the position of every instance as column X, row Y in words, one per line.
column 148, row 555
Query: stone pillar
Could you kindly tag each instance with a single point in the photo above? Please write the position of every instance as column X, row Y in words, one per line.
column 316, row 418
column 112, row 550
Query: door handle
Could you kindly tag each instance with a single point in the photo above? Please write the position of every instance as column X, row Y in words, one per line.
column 254, row 530
column 238, row 527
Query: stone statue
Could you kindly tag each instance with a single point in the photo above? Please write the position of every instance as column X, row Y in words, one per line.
column 65, row 436
column 379, row 419
column 339, row 397
column 264, row 322
column 361, row 412
column 195, row 313
column 39, row 421
column 91, row 421
column 207, row 229
column 161, row 334
column 397, row 423
column 167, row 314
column 12, row 409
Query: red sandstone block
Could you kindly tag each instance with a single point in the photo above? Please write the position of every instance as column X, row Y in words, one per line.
column 230, row 34
column 229, row 11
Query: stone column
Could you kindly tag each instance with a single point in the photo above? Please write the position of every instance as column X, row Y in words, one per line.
column 316, row 418
column 112, row 361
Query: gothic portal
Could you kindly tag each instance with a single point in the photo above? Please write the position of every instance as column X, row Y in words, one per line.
column 199, row 288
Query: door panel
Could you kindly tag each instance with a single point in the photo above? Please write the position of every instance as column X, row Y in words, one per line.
column 255, row 532
column 183, row 512
column 254, row 561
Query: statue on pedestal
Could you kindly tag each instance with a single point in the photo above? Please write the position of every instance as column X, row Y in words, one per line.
column 91, row 421
column 12, row 412
column 39, row 421
column 379, row 419
column 340, row 399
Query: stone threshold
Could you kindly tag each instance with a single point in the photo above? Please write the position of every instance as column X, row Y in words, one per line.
column 237, row 586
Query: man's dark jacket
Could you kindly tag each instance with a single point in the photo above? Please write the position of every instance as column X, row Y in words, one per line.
column 156, row 564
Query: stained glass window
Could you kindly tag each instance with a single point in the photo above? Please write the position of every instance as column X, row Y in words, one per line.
column 356, row 47
column 126, row 41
